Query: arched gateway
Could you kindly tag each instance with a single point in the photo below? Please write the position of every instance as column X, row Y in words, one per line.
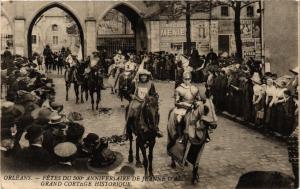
column 24, row 14
column 122, row 38
column 37, row 16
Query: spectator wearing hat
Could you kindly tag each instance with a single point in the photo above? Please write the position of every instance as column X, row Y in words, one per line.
column 41, row 116
column 277, row 119
column 55, row 133
column 9, row 150
column 35, row 156
column 74, row 133
column 258, row 98
column 65, row 153
column 269, row 101
column 289, row 114
column 89, row 145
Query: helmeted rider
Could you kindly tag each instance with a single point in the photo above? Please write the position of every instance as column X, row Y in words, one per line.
column 130, row 66
column 71, row 61
column 186, row 94
column 119, row 60
column 141, row 88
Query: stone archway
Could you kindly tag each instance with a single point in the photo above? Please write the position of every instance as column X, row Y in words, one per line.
column 46, row 8
column 137, row 23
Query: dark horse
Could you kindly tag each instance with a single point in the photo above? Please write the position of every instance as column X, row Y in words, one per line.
column 95, row 84
column 141, row 126
column 76, row 76
column 125, row 84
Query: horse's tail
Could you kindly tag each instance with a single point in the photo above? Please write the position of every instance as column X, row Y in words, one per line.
column 171, row 140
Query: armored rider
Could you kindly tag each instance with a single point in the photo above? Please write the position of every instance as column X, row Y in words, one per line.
column 141, row 88
column 130, row 67
column 186, row 95
column 119, row 60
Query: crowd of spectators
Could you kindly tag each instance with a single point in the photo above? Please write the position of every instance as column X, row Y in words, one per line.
column 36, row 133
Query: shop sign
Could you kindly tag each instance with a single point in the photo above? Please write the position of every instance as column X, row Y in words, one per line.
column 256, row 29
column 200, row 30
column 248, row 47
column 172, row 31
column 226, row 27
column 246, row 28
column 110, row 27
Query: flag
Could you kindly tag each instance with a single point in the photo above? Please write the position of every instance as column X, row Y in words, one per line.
column 79, row 54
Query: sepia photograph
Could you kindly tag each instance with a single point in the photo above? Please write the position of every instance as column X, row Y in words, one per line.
column 133, row 94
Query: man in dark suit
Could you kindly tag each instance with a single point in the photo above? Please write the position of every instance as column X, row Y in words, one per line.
column 35, row 156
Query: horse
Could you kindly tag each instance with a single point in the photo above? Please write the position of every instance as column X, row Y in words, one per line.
column 141, row 125
column 75, row 76
column 199, row 120
column 94, row 85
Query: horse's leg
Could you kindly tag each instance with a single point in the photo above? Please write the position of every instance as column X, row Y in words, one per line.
column 92, row 98
column 150, row 158
column 67, row 91
column 98, row 98
column 195, row 178
column 76, row 88
column 81, row 93
column 173, row 164
column 138, row 162
column 145, row 159
column 130, row 155
column 86, row 92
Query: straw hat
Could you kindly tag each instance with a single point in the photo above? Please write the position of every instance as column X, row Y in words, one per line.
column 65, row 149
column 41, row 113
column 256, row 78
column 55, row 118
column 295, row 70
column 144, row 72
column 281, row 83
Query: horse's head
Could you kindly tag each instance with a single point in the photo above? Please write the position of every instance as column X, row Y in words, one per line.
column 205, row 112
column 150, row 111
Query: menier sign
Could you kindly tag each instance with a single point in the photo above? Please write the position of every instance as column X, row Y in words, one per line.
column 172, row 31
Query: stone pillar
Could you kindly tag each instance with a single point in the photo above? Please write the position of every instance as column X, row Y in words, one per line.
column 154, row 33
column 19, row 36
column 91, row 36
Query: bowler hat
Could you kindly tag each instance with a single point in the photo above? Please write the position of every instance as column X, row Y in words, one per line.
column 91, row 139
column 75, row 132
column 33, row 132
column 126, row 170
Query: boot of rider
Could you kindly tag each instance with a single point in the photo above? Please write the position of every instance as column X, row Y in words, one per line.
column 158, row 132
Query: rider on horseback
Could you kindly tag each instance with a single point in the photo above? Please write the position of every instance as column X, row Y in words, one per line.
column 71, row 61
column 130, row 66
column 186, row 95
column 141, row 88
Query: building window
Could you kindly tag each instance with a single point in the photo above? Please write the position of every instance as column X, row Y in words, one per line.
column 55, row 40
column 33, row 39
column 250, row 11
column 54, row 27
column 224, row 11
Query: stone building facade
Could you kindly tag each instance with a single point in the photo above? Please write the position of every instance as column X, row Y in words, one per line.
column 213, row 30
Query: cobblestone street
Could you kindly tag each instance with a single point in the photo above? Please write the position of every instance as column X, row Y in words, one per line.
column 233, row 150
